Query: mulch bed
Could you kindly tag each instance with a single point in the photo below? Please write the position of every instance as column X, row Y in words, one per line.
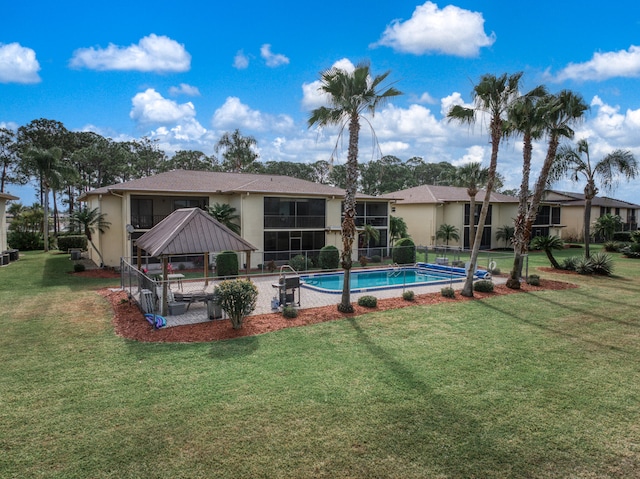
column 129, row 321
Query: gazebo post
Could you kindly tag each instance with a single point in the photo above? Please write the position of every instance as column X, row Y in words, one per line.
column 139, row 258
column 248, row 265
column 206, row 269
column 165, row 284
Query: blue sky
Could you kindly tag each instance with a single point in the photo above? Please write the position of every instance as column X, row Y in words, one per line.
column 185, row 72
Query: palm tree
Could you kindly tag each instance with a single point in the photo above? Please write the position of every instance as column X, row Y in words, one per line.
column 47, row 165
column 88, row 221
column 607, row 225
column 576, row 162
column 553, row 116
column 492, row 96
column 397, row 229
column 448, row 232
column 473, row 177
column 350, row 94
column 369, row 233
column 225, row 214
column 548, row 244
column 237, row 151
column 506, row 234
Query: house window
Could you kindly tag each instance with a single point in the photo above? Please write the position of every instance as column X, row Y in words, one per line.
column 294, row 212
column 370, row 213
column 188, row 203
column 555, row 215
column 477, row 215
column 284, row 245
column 142, row 213
column 485, row 243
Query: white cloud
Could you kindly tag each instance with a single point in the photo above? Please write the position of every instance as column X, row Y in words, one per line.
column 184, row 89
column 312, row 97
column 151, row 107
column 623, row 63
column 272, row 59
column 235, row 114
column 415, row 122
column 152, row 53
column 474, row 154
column 240, row 61
column 450, row 31
column 18, row 64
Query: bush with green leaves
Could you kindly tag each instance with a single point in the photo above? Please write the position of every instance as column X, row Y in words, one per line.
column 404, row 251
column 227, row 264
column 329, row 257
column 368, row 301
column 300, row 263
column 623, row 236
column 25, row 240
column 631, row 251
column 79, row 267
column 363, row 260
column 602, row 264
column 289, row 312
column 408, row 295
column 611, row 246
column 584, row 266
column 67, row 242
column 570, row 263
column 534, row 280
column 376, row 258
column 237, row 297
column 483, row 286
column 448, row 292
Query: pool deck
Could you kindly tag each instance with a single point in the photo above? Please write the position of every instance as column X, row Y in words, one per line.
column 309, row 298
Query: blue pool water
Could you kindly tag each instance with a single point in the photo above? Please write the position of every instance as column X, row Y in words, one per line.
column 382, row 279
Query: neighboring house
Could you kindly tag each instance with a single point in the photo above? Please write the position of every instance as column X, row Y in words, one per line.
column 4, row 197
column 279, row 215
column 572, row 205
column 425, row 208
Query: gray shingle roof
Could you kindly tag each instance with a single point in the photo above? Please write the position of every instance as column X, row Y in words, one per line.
column 577, row 199
column 190, row 231
column 207, row 182
column 426, row 194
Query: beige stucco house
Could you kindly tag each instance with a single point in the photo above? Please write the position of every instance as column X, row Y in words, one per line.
column 425, row 208
column 4, row 197
column 572, row 206
column 278, row 215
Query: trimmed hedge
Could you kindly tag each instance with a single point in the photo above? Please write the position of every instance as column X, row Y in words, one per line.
column 368, row 301
column 329, row 257
column 483, row 286
column 65, row 243
column 404, row 251
column 25, row 240
column 624, row 236
column 227, row 264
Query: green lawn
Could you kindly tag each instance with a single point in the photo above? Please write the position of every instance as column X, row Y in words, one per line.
column 530, row 385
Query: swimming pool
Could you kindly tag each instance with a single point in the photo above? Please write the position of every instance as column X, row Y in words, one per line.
column 388, row 278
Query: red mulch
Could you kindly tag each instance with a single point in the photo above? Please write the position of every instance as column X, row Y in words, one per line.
column 97, row 273
column 130, row 323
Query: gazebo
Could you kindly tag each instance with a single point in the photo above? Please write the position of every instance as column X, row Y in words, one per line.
column 189, row 231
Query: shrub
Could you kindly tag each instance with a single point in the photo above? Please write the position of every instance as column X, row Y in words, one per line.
column 570, row 263
column 602, row 264
column 483, row 286
column 237, row 297
column 404, row 251
column 272, row 266
column 368, row 301
column 363, row 260
column 300, row 263
column 376, row 258
column 631, row 251
column 227, row 264
column 623, row 236
column 25, row 240
column 611, row 246
column 448, row 292
column 329, row 257
column 289, row 312
column 65, row 243
column 534, row 280
column 78, row 267
column 584, row 265
column 635, row 236
column 408, row 295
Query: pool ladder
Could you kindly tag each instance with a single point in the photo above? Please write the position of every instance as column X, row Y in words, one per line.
column 395, row 272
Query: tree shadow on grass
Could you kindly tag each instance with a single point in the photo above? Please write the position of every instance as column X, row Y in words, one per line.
column 57, row 272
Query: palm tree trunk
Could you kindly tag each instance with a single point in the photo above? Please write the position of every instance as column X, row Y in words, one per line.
column 348, row 224
column 587, row 221
column 472, row 221
column 45, row 220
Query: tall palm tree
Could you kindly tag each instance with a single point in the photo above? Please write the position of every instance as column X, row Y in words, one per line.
column 448, row 232
column 536, row 116
column 473, row 177
column 492, row 96
column 51, row 171
column 350, row 94
column 226, row 215
column 88, row 221
column 397, row 228
column 576, row 162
